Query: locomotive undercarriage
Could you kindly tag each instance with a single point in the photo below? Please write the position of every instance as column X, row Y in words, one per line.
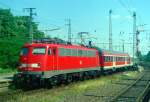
column 25, row 80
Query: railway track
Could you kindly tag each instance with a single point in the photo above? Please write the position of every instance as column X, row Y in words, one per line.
column 134, row 92
column 5, row 84
column 129, row 90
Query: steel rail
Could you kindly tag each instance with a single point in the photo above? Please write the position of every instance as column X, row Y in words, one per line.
column 126, row 89
column 142, row 95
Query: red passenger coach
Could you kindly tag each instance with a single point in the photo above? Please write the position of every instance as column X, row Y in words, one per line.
column 114, row 60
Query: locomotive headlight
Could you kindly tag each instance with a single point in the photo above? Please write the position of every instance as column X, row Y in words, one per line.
column 35, row 65
column 23, row 65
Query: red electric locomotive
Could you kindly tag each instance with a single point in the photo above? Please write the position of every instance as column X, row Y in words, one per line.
column 44, row 63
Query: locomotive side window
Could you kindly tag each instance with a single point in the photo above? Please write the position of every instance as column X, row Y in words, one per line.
column 68, row 52
column 62, row 52
column 84, row 53
column 88, row 53
column 79, row 52
column 38, row 50
column 91, row 53
column 74, row 52
column 24, row 51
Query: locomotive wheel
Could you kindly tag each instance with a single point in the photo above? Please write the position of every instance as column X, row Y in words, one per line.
column 47, row 83
column 81, row 76
column 18, row 82
column 53, row 81
column 86, row 76
column 69, row 78
column 98, row 74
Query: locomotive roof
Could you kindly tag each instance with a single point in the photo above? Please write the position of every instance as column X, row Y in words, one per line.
column 59, row 45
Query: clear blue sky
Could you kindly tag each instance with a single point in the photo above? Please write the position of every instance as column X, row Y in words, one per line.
column 89, row 16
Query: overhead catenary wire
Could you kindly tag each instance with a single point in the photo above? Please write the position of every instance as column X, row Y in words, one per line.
column 126, row 8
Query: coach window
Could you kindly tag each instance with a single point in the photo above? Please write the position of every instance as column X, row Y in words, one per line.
column 106, row 58
column 123, row 58
column 117, row 59
column 111, row 58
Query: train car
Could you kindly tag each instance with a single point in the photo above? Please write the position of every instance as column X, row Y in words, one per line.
column 112, row 60
column 52, row 63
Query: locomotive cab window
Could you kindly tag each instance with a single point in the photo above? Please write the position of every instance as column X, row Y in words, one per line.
column 38, row 50
column 24, row 51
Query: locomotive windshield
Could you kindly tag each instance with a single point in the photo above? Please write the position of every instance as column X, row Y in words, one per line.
column 39, row 50
column 24, row 51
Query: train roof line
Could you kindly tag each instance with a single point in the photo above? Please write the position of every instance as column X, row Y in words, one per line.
column 42, row 42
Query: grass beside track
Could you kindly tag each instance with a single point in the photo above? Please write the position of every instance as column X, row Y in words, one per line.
column 7, row 71
column 63, row 93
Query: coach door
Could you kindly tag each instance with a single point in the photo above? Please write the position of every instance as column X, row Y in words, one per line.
column 114, row 61
column 55, row 58
column 52, row 59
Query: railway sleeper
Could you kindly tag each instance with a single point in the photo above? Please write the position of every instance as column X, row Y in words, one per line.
column 121, row 83
column 92, row 95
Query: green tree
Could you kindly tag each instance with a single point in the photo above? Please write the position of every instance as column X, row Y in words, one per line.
column 148, row 57
column 13, row 34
